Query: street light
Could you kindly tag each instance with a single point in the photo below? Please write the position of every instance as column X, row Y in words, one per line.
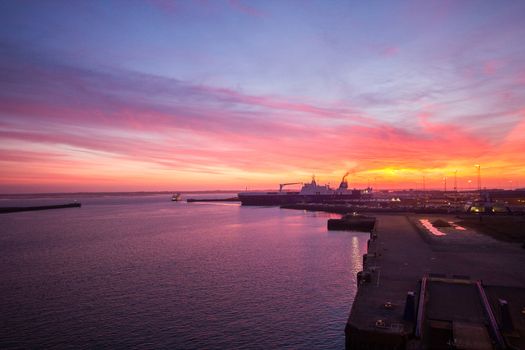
column 479, row 176
column 456, row 187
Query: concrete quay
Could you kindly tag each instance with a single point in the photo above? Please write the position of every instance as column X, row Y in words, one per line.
column 454, row 284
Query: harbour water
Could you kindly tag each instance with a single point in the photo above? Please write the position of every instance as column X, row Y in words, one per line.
column 145, row 272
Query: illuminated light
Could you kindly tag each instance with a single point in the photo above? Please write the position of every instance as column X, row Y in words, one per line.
column 457, row 227
column 428, row 225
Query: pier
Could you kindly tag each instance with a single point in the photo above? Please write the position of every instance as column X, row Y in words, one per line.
column 418, row 290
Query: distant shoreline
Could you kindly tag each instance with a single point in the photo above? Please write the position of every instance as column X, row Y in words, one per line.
column 149, row 193
column 107, row 194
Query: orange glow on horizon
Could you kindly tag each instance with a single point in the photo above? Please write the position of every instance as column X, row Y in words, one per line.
column 131, row 176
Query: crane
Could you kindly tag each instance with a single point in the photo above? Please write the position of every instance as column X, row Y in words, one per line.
column 286, row 184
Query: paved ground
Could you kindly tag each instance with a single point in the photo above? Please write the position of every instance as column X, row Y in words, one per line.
column 476, row 255
column 404, row 252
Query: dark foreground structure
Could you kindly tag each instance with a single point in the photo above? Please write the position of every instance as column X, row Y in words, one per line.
column 41, row 207
column 193, row 200
column 422, row 291
column 352, row 222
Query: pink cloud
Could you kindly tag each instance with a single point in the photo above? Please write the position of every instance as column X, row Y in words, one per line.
column 390, row 51
column 248, row 10
column 491, row 67
column 128, row 118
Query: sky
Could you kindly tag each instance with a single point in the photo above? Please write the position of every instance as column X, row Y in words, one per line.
column 234, row 94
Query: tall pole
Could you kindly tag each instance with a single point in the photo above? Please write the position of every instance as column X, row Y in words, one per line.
column 479, row 177
column 424, row 193
column 445, row 183
column 456, row 186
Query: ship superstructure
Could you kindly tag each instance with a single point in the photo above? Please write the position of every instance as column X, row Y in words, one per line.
column 310, row 193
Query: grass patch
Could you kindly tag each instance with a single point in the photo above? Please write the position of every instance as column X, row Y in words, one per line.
column 504, row 228
column 441, row 223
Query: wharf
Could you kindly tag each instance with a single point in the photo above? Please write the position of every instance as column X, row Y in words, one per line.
column 192, row 200
column 403, row 258
column 345, row 208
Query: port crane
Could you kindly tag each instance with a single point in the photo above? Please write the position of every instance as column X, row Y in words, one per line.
column 289, row 183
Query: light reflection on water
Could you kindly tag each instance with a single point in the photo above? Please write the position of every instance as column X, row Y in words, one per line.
column 146, row 272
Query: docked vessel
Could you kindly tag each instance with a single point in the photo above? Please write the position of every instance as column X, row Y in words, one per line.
column 309, row 193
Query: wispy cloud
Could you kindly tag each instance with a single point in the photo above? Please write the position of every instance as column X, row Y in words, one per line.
column 275, row 102
column 241, row 6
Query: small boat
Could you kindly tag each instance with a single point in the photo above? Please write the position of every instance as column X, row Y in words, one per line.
column 176, row 197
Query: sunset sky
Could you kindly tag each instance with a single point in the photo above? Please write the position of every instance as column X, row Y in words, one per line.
column 202, row 95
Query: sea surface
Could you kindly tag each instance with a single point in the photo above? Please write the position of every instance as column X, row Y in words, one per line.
column 140, row 271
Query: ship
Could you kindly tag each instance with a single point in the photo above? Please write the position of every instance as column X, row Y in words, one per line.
column 309, row 193
column 176, row 197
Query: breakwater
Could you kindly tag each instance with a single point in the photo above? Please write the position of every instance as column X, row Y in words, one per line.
column 40, row 207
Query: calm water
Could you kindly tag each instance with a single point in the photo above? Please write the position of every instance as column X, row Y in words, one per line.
column 144, row 272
